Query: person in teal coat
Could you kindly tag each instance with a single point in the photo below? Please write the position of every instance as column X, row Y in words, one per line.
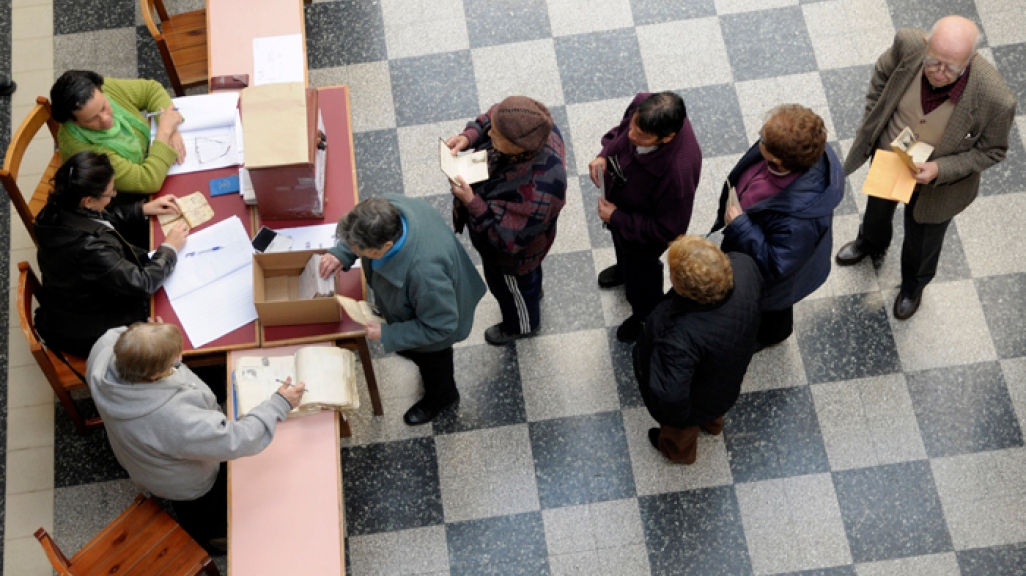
column 424, row 285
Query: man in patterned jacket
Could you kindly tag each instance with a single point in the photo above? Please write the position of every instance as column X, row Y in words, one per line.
column 953, row 99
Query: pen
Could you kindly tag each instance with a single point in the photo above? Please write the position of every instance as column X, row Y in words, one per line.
column 157, row 113
column 289, row 383
column 213, row 249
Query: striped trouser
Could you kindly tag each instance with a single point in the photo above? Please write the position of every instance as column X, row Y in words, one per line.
column 518, row 297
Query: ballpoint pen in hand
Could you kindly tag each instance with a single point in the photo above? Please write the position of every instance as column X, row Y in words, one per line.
column 289, row 383
column 157, row 113
column 212, row 249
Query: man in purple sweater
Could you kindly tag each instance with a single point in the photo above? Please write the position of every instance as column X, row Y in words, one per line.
column 649, row 166
column 512, row 215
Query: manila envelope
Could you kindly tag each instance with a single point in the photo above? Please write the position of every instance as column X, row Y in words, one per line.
column 889, row 178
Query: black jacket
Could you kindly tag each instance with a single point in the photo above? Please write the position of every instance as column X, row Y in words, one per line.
column 691, row 358
column 93, row 279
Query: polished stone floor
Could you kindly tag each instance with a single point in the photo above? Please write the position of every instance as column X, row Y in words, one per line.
column 862, row 445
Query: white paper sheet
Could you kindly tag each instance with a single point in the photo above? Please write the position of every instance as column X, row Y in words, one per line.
column 278, row 59
column 222, row 306
column 211, row 131
column 320, row 236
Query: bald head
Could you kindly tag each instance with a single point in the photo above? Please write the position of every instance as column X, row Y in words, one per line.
column 147, row 350
column 952, row 42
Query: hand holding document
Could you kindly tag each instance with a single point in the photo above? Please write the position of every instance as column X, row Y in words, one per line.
column 910, row 150
column 889, row 178
column 193, row 210
column 473, row 166
column 359, row 310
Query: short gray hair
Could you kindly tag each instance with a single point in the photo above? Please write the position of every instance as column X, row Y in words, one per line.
column 370, row 224
column 147, row 350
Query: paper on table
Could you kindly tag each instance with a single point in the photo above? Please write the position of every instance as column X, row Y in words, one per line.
column 278, row 59
column 211, row 131
column 200, row 264
column 320, row 236
column 222, row 306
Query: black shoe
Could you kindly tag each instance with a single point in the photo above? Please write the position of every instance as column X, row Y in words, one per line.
column 496, row 336
column 850, row 254
column 905, row 306
column 610, row 277
column 424, row 411
column 7, row 86
column 653, row 437
column 629, row 330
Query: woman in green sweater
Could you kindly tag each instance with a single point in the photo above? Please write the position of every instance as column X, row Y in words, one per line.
column 107, row 117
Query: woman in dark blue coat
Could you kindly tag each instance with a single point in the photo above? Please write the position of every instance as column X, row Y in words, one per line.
column 787, row 186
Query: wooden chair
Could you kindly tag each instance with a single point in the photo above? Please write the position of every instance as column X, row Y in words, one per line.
column 143, row 540
column 27, row 210
column 182, row 41
column 62, row 377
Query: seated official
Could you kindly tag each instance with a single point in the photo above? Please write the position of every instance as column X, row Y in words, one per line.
column 106, row 116
column 93, row 279
column 696, row 344
column 166, row 429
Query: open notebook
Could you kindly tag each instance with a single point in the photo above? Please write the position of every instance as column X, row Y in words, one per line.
column 328, row 372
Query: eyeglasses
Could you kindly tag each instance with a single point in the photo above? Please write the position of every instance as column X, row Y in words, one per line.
column 111, row 195
column 930, row 62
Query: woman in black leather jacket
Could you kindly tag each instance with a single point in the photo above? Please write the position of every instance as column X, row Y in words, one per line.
column 94, row 279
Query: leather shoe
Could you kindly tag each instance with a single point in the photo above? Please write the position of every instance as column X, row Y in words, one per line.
column 653, row 437
column 629, row 330
column 496, row 336
column 610, row 277
column 905, row 306
column 7, row 86
column 424, row 411
column 849, row 255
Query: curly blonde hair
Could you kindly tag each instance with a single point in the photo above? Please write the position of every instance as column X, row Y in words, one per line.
column 699, row 270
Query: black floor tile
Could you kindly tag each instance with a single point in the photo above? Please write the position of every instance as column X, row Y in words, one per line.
column 623, row 368
column 1010, row 60
column 74, row 16
column 571, row 301
column 488, row 378
column 493, row 22
column 344, row 32
column 581, row 459
column 998, row 561
column 1006, row 177
column 598, row 235
column 836, row 570
column 922, row 15
column 82, row 459
column 782, row 39
column 695, row 533
column 422, row 88
column 715, row 116
column 774, row 434
column 560, row 119
column 600, row 65
column 1004, row 305
column 891, row 512
column 148, row 61
column 846, row 94
column 512, row 544
column 391, row 486
column 656, row 11
column 378, row 170
column 846, row 337
column 964, row 409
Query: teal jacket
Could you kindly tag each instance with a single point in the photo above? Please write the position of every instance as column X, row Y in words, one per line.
column 429, row 290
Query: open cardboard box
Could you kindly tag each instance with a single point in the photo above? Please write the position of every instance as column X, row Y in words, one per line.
column 276, row 291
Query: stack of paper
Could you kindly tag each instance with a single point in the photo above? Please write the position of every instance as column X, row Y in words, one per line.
column 311, row 285
column 211, row 289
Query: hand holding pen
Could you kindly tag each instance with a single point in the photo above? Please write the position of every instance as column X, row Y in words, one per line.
column 292, row 393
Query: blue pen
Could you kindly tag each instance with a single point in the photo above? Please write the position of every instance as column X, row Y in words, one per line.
column 157, row 113
column 212, row 249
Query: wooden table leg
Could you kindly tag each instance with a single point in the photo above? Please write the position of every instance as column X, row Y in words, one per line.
column 345, row 430
column 361, row 346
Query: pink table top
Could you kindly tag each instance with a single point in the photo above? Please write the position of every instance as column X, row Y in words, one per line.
column 233, row 24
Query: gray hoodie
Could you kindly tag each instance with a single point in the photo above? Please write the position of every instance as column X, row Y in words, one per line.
column 170, row 435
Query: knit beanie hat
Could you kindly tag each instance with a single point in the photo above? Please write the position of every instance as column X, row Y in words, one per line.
column 523, row 121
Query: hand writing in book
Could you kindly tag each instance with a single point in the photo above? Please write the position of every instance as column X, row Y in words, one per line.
column 163, row 205
column 927, row 172
column 329, row 265
column 606, row 209
column 374, row 331
column 294, row 394
column 597, row 170
column 457, row 143
column 731, row 213
column 462, row 190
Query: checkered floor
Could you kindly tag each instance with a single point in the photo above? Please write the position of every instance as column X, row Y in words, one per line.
column 862, row 445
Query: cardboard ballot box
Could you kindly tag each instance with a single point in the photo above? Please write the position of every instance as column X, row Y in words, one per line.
column 276, row 291
column 286, row 150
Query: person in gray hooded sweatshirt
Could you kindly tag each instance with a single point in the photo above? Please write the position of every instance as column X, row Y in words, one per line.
column 165, row 426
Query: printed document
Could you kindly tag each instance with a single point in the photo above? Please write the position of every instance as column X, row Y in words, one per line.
column 278, row 59
column 211, row 131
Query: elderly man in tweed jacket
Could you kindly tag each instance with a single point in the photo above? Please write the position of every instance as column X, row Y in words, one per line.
column 956, row 101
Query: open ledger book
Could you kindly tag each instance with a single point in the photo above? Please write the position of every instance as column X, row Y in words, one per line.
column 211, row 130
column 359, row 310
column 195, row 211
column 472, row 166
column 328, row 372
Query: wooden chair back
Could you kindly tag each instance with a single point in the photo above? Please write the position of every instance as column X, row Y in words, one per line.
column 182, row 42
column 142, row 540
column 63, row 377
column 28, row 207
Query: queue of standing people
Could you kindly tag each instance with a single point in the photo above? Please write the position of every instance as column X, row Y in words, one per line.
column 694, row 342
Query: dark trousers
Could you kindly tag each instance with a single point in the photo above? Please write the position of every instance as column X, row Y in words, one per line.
column 519, row 298
column 920, row 251
column 775, row 326
column 642, row 279
column 436, row 370
column 206, row 517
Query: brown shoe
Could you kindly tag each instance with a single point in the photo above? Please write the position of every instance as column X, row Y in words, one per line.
column 715, row 427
